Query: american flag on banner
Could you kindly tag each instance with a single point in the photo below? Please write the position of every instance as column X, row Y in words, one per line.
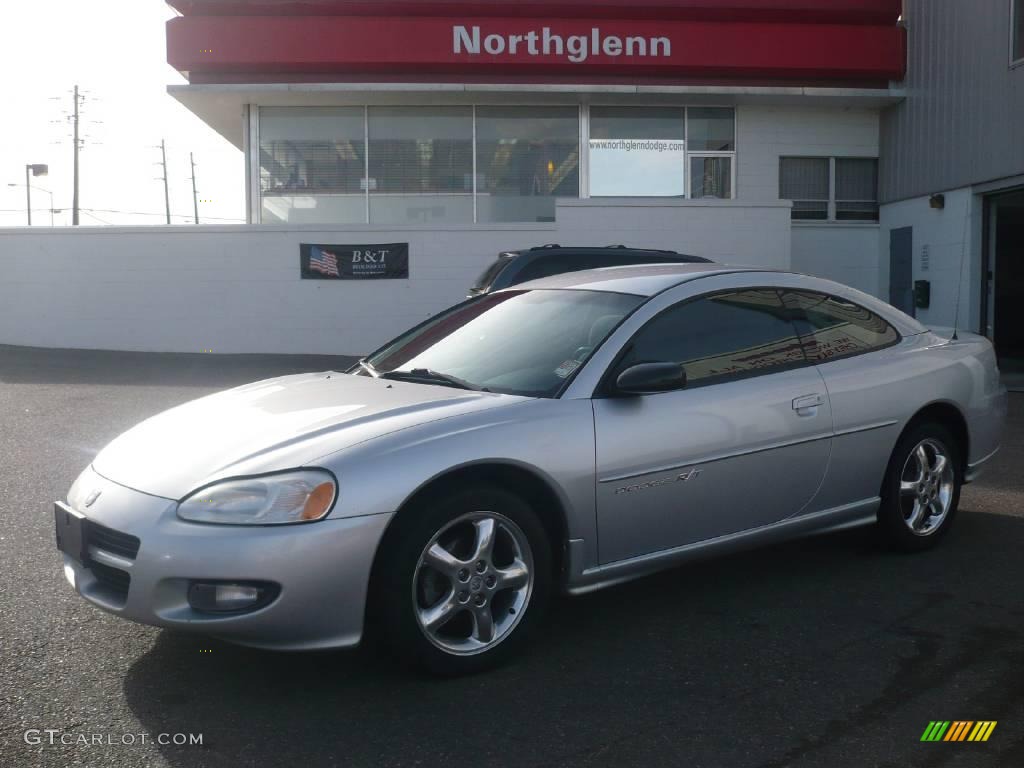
column 324, row 262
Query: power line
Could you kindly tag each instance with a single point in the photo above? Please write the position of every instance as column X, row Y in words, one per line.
column 127, row 213
column 97, row 218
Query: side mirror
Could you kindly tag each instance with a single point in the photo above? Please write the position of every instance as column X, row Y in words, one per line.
column 650, row 378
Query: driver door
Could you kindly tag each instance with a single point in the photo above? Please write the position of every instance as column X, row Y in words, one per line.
column 745, row 444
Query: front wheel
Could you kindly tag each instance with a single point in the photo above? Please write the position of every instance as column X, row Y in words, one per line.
column 462, row 580
column 921, row 488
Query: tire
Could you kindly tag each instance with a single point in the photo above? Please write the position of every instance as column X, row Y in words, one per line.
column 918, row 508
column 431, row 568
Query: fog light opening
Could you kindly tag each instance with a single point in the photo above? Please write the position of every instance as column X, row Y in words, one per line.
column 230, row 597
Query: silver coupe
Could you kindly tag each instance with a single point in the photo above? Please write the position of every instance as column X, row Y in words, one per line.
column 566, row 434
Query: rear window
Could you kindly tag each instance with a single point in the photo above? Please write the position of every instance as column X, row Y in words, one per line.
column 558, row 264
column 483, row 282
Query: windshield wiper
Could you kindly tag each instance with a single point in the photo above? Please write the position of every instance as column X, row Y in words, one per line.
column 432, row 377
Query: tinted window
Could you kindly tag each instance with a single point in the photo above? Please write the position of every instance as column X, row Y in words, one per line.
column 729, row 334
column 832, row 328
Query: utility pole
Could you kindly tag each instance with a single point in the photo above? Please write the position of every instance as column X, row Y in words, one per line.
column 74, row 199
column 167, row 194
column 195, row 197
column 28, row 195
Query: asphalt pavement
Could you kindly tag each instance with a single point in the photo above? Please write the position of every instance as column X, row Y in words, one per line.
column 824, row 652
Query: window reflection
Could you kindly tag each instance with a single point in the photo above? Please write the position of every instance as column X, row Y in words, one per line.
column 526, row 157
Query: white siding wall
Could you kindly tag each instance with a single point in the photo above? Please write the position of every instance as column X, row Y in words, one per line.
column 237, row 289
column 766, row 133
column 846, row 254
column 953, row 239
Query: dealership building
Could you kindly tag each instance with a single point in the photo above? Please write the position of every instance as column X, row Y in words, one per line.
column 874, row 142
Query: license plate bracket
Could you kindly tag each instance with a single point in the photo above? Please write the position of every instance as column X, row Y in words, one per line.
column 71, row 529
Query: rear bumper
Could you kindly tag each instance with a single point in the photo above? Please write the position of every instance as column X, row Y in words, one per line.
column 322, row 568
column 986, row 427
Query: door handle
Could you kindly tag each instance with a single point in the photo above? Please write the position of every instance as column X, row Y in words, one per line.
column 807, row 402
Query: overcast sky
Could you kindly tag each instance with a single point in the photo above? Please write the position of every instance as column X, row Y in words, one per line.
column 115, row 50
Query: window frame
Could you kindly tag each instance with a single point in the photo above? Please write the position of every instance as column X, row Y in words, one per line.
column 832, row 208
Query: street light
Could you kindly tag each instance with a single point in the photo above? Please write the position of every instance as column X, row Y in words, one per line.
column 39, row 189
column 36, row 169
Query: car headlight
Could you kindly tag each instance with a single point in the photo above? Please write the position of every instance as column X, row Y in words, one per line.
column 290, row 497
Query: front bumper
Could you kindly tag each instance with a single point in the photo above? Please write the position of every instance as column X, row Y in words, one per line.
column 323, row 569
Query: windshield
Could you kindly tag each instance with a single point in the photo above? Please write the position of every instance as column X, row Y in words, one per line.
column 516, row 342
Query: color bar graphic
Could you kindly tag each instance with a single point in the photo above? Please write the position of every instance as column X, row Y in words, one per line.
column 959, row 730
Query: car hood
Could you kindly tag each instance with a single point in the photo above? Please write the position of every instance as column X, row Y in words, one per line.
column 272, row 425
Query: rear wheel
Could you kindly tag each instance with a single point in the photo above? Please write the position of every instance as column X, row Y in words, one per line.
column 921, row 490
column 462, row 580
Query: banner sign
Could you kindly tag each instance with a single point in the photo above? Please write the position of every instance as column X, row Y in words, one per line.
column 637, row 168
column 389, row 261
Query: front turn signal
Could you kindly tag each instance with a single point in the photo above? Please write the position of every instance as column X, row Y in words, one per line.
column 319, row 502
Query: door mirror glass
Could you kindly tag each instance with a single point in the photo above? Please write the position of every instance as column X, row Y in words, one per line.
column 649, row 378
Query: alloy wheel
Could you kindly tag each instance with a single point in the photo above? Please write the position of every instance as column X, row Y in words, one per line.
column 926, row 487
column 473, row 583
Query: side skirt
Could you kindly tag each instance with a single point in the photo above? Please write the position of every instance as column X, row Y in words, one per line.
column 581, row 580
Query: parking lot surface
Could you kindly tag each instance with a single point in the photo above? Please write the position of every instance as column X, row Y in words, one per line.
column 824, row 652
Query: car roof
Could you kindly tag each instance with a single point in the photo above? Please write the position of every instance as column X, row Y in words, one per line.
column 636, row 279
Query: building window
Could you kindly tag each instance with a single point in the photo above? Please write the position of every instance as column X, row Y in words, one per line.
column 830, row 189
column 526, row 158
column 312, row 165
column 711, row 129
column 1017, row 31
column 710, row 144
column 421, row 165
column 856, row 189
column 418, row 165
column 662, row 152
column 638, row 152
column 710, row 177
column 805, row 181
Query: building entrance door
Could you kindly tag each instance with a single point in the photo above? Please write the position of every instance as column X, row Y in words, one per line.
column 1005, row 275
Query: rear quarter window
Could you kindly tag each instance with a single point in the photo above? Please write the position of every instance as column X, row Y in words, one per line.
column 832, row 328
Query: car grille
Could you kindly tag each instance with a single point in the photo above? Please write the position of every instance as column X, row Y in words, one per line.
column 114, row 542
column 113, row 579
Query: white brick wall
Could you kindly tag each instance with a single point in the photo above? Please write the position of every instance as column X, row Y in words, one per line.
column 237, row 289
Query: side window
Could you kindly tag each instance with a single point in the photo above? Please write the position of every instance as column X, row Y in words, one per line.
column 831, row 328
column 725, row 335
